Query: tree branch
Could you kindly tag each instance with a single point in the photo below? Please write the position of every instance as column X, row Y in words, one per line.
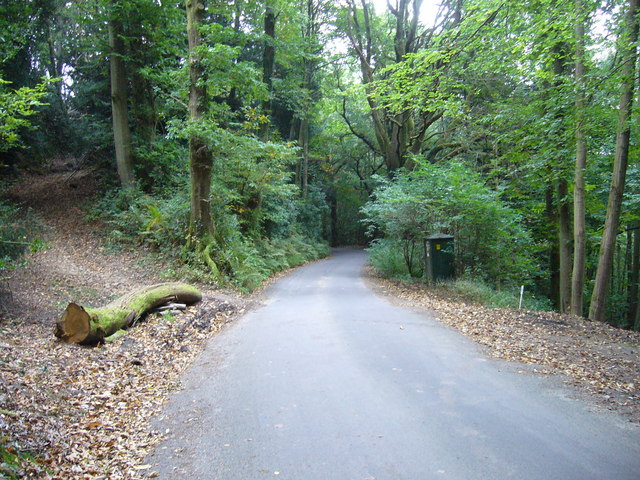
column 359, row 135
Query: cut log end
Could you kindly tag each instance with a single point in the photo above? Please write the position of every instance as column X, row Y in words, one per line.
column 90, row 326
column 75, row 324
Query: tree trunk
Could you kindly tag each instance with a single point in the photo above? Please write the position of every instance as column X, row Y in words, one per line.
column 564, row 246
column 563, row 217
column 579, row 229
column 268, row 62
column 89, row 326
column 554, row 260
column 628, row 51
column 304, row 143
column 269, row 54
column 200, row 158
column 634, row 277
column 119, row 99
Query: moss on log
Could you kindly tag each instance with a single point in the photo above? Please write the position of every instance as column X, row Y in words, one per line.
column 89, row 326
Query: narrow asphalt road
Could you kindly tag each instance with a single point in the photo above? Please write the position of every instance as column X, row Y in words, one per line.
column 328, row 381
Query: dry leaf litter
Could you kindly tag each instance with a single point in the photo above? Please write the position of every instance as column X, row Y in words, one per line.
column 86, row 409
column 83, row 412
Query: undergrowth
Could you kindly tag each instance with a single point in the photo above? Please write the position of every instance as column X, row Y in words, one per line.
column 390, row 263
column 14, row 461
column 476, row 291
column 19, row 230
column 246, row 260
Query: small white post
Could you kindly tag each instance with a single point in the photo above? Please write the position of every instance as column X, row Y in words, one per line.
column 521, row 296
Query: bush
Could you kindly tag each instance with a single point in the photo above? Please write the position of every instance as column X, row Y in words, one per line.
column 490, row 241
column 18, row 230
column 136, row 217
column 161, row 164
column 387, row 258
column 254, row 262
column 477, row 291
column 162, row 222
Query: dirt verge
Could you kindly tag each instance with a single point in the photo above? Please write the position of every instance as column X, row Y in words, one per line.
column 71, row 412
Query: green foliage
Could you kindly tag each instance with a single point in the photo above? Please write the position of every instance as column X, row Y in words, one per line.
column 254, row 262
column 13, row 461
column 16, row 106
column 161, row 222
column 477, row 291
column 135, row 217
column 486, row 71
column 490, row 241
column 388, row 259
column 386, row 255
column 161, row 166
column 18, row 230
column 311, row 211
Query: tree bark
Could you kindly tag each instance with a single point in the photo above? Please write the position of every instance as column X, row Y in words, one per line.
column 89, row 326
column 310, row 32
column 200, row 157
column 634, row 277
column 119, row 99
column 268, row 62
column 397, row 135
column 554, row 261
column 579, row 228
column 303, row 141
column 562, row 190
column 564, row 246
column 628, row 52
column 269, row 54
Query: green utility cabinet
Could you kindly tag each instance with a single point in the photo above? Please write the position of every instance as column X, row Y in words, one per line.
column 439, row 258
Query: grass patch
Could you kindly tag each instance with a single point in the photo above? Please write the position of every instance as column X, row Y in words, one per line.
column 19, row 230
column 388, row 259
column 14, row 462
column 476, row 291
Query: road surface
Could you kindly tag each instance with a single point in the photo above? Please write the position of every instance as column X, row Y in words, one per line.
column 327, row 381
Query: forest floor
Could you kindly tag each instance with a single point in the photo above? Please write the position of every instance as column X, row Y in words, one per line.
column 68, row 411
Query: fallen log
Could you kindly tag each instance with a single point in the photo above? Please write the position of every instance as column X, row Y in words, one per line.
column 89, row 326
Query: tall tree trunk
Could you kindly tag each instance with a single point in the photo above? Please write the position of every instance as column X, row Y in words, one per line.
column 579, row 229
column 200, row 156
column 564, row 246
column 268, row 62
column 634, row 277
column 303, row 141
column 119, row 99
column 554, row 260
column 310, row 31
column 269, row 53
column 629, row 53
column 397, row 135
column 562, row 191
column 55, row 71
